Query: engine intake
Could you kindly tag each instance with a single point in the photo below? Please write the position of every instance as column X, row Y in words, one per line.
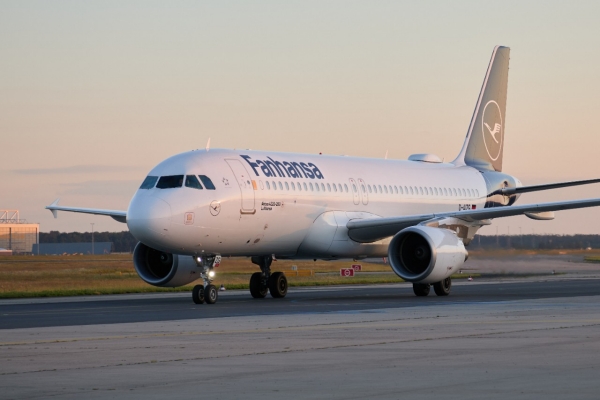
column 426, row 255
column 164, row 269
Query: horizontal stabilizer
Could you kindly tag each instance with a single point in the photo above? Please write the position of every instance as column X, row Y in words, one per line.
column 537, row 188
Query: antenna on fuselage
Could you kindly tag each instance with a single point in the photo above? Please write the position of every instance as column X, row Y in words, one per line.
column 208, row 145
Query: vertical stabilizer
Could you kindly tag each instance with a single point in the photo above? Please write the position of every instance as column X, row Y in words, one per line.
column 484, row 144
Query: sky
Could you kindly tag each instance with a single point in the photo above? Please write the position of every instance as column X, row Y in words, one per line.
column 94, row 94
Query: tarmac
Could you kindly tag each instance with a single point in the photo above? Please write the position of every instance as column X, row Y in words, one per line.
column 522, row 338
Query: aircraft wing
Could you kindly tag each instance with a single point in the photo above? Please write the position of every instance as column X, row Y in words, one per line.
column 373, row 229
column 117, row 215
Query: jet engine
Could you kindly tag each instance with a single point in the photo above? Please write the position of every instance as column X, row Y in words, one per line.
column 426, row 255
column 164, row 269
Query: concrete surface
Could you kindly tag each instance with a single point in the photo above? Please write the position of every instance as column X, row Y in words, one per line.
column 473, row 345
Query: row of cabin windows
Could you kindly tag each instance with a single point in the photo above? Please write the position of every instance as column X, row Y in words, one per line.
column 387, row 189
column 306, row 186
column 191, row 181
column 422, row 190
column 176, row 181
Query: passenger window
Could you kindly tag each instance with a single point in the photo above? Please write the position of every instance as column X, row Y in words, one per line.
column 445, row 192
column 262, row 187
column 305, row 187
column 395, row 189
column 340, row 186
column 207, row 182
column 192, row 182
column 293, row 186
column 317, row 186
column 328, row 187
column 149, row 182
column 364, row 189
column 375, row 188
column 268, row 185
column 311, row 187
column 334, row 187
column 274, row 185
column 287, row 187
column 170, row 182
column 280, row 186
column 477, row 191
column 345, row 188
column 380, row 189
column 401, row 191
column 354, row 188
column 385, row 189
column 322, row 186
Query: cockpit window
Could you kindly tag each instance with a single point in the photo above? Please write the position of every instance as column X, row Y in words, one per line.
column 170, row 182
column 207, row 182
column 149, row 182
column 192, row 182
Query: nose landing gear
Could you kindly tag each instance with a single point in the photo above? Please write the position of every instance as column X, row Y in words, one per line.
column 207, row 292
column 265, row 281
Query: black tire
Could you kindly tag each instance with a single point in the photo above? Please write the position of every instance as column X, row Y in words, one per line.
column 421, row 289
column 211, row 294
column 278, row 285
column 198, row 294
column 442, row 288
column 257, row 290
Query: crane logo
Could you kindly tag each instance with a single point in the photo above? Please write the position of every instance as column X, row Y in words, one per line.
column 491, row 127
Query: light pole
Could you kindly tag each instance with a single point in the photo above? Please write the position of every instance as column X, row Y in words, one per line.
column 92, row 238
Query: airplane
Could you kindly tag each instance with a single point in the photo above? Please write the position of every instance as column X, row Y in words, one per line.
column 196, row 207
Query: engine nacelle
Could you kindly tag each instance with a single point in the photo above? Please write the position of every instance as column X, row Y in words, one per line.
column 164, row 269
column 426, row 255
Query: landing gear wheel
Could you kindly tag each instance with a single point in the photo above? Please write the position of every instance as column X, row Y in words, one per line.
column 198, row 294
column 442, row 288
column 211, row 294
column 421, row 289
column 278, row 285
column 257, row 289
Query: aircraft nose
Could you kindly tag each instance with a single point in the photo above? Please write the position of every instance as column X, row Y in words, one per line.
column 149, row 219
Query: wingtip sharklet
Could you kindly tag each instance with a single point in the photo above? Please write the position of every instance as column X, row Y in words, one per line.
column 52, row 210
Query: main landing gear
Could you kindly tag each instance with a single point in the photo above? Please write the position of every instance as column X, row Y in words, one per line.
column 441, row 288
column 263, row 282
column 207, row 292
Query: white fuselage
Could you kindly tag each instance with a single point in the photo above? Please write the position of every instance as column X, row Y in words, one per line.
column 291, row 205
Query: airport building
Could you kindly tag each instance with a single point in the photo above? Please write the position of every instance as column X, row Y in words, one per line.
column 16, row 235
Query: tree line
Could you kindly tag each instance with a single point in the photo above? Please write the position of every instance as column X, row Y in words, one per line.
column 124, row 242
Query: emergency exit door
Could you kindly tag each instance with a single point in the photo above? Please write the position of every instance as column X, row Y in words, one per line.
column 245, row 184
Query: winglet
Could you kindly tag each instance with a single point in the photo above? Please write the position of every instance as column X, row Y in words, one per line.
column 208, row 145
column 54, row 212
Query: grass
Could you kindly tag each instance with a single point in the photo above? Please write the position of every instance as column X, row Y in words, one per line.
column 45, row 276
column 592, row 259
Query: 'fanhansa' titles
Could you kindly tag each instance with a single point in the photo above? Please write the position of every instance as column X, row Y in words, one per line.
column 272, row 168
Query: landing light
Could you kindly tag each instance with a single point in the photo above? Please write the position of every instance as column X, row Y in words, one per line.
column 199, row 260
column 211, row 273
